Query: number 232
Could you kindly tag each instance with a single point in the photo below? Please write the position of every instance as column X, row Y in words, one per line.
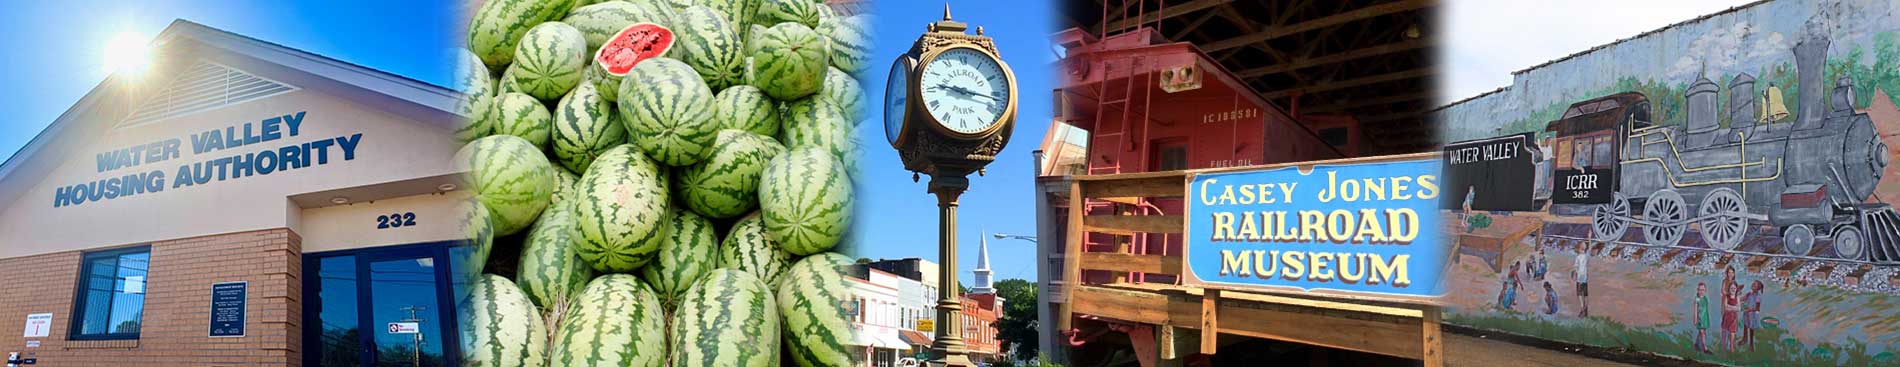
column 395, row 220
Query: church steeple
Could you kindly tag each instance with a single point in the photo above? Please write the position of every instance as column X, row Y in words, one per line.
column 983, row 284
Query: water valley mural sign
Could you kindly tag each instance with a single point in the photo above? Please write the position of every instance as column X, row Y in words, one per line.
column 214, row 161
column 1360, row 229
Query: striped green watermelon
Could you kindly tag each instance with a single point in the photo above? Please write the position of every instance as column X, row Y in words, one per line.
column 510, row 177
column 478, row 91
column 481, row 234
column 805, row 198
column 711, row 45
column 499, row 24
column 565, row 186
column 521, row 115
column 500, row 327
column 615, row 321
column 726, row 185
column 728, row 319
column 812, row 295
column 738, row 12
column 843, row 90
column 782, row 11
column 787, row 61
column 607, row 85
column 747, row 247
column 686, row 255
column 551, row 272
column 745, row 107
column 549, row 60
column 675, row 5
column 621, row 211
column 598, row 22
column 815, row 122
column 668, row 111
column 851, row 42
column 584, row 126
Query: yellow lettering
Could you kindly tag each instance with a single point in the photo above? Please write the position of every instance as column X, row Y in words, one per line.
column 1404, row 224
column 1326, row 195
column 1428, row 187
column 1346, row 272
column 1393, row 272
column 1398, row 188
column 1375, row 186
column 1223, row 226
column 1369, row 227
column 1249, row 230
column 1339, row 226
column 1247, row 194
column 1320, row 272
column 1286, row 191
column 1234, row 265
column 1204, row 199
column 1349, row 190
column 1295, row 264
column 1272, row 266
column 1311, row 224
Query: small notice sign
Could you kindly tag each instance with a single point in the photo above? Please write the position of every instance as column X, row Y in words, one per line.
column 227, row 309
column 404, row 328
column 38, row 325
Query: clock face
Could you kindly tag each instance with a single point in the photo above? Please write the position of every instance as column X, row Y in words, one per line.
column 965, row 89
column 896, row 92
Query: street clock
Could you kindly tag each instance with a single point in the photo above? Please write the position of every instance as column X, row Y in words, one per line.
column 950, row 102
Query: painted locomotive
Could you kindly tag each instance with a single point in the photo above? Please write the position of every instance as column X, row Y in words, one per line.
column 1810, row 178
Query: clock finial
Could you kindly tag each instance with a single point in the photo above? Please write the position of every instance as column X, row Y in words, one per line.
column 946, row 11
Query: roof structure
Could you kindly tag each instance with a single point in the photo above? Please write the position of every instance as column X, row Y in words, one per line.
column 185, row 44
column 1370, row 59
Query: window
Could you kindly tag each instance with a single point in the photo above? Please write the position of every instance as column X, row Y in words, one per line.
column 1604, row 151
column 111, row 294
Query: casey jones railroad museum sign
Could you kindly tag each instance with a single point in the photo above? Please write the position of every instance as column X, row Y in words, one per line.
column 1364, row 230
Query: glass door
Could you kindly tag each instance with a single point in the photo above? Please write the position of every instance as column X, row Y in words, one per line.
column 382, row 307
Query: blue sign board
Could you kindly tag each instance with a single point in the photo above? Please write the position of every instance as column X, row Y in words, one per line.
column 227, row 309
column 1368, row 230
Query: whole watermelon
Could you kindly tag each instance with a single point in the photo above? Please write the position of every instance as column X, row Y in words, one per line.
column 668, row 111
column 499, row 24
column 506, row 83
column 748, row 248
column 478, row 91
column 805, row 197
column 811, row 298
column 794, row 11
column 726, row 185
column 738, row 12
column 843, row 91
column 565, row 186
column 615, row 321
column 745, row 107
column 499, row 326
column 549, row 60
column 686, row 255
column 481, row 235
column 711, row 45
column 621, row 211
column 816, row 122
column 598, row 22
column 551, row 272
column 787, row 61
column 521, row 115
column 851, row 41
column 728, row 319
column 510, row 177
column 584, row 126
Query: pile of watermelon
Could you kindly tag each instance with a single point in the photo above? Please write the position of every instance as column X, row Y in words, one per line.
column 660, row 182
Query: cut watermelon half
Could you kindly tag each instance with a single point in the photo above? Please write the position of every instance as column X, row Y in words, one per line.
column 639, row 41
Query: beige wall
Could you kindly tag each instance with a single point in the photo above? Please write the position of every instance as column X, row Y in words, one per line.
column 392, row 148
column 355, row 225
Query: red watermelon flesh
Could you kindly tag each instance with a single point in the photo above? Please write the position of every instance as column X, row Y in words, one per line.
column 639, row 41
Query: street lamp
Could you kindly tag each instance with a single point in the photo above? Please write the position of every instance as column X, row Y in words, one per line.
column 1004, row 236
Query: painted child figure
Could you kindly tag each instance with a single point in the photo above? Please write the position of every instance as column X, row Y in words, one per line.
column 1731, row 309
column 1550, row 299
column 1702, row 317
column 1751, row 314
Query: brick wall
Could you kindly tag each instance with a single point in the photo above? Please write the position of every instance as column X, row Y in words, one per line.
column 177, row 304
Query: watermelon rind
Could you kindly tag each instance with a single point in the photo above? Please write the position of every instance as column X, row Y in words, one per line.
column 585, row 125
column 851, row 41
column 549, row 60
column 510, row 177
column 614, row 321
column 805, row 199
column 472, row 79
column 481, row 236
column 499, row 24
column 621, row 211
column 816, row 122
column 726, row 184
column 812, row 295
column 728, row 319
column 747, row 247
column 745, row 107
column 782, row 11
column 667, row 110
column 500, row 327
column 843, row 91
column 689, row 251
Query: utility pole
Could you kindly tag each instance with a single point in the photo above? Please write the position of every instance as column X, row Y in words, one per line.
column 416, row 359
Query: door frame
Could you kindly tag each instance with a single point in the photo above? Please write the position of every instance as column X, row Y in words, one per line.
column 438, row 251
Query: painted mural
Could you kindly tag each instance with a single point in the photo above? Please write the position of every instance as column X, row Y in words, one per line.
column 1719, row 190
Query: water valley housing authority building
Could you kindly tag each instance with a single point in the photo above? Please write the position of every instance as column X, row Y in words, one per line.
column 239, row 203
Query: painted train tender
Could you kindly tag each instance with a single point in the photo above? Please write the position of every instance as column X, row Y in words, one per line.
column 1811, row 178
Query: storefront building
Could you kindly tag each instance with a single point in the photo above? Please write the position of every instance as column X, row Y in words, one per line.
column 237, row 203
column 874, row 292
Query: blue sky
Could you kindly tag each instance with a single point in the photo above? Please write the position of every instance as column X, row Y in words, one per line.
column 55, row 50
column 896, row 218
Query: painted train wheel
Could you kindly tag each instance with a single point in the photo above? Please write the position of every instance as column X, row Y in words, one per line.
column 1797, row 239
column 1722, row 223
column 1607, row 222
column 1848, row 244
column 1665, row 208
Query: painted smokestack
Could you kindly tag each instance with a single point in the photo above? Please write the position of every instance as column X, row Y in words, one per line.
column 1809, row 56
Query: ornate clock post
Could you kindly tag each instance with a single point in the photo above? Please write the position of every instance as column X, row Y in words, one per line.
column 949, row 107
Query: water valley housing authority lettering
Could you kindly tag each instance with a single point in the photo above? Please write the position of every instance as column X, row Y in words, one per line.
column 257, row 163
